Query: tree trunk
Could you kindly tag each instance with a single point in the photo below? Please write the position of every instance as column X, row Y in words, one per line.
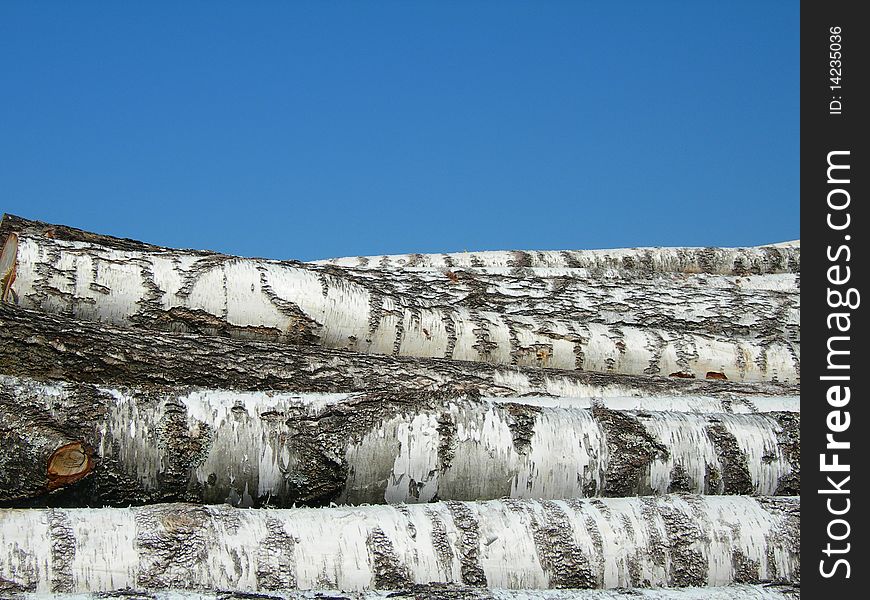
column 454, row 592
column 622, row 262
column 676, row 541
column 41, row 345
column 256, row 448
column 636, row 328
column 778, row 258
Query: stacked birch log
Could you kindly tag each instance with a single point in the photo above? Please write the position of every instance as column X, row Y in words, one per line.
column 499, row 425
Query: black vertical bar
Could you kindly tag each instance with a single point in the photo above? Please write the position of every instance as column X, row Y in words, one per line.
column 834, row 171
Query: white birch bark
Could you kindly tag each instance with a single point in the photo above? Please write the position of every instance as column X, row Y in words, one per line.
column 43, row 345
column 263, row 448
column 446, row 592
column 676, row 541
column 624, row 262
column 605, row 330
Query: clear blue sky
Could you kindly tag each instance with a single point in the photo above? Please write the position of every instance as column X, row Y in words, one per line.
column 316, row 129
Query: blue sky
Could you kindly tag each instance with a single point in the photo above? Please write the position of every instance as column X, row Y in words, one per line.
column 316, row 129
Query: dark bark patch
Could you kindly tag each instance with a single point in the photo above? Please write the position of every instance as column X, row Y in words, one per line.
column 390, row 573
column 712, row 480
column 179, row 319
column 520, row 259
column 441, row 543
column 522, row 424
column 560, row 556
column 688, row 567
column 789, row 439
column 657, row 543
column 184, row 448
column 469, row 544
column 682, row 375
column 680, row 480
column 446, row 441
column 172, row 541
column 8, row 586
column 732, row 460
column 320, row 474
column 275, row 558
column 631, row 449
column 744, row 569
column 63, row 550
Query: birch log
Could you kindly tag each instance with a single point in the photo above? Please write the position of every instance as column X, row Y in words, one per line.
column 454, row 592
column 626, row 262
column 35, row 344
column 256, row 448
column 633, row 329
column 777, row 258
column 676, row 541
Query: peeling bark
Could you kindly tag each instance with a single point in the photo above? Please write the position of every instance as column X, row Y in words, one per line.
column 35, row 344
column 634, row 328
column 272, row 449
column 613, row 542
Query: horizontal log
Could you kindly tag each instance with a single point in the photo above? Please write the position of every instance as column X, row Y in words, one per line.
column 454, row 592
column 622, row 262
column 41, row 345
column 759, row 307
column 768, row 259
column 560, row 276
column 259, row 448
column 634, row 328
column 676, row 541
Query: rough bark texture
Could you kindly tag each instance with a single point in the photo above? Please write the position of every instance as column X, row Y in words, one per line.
column 455, row 592
column 686, row 327
column 133, row 374
column 256, row 449
column 622, row 262
column 515, row 544
column 34, row 344
column 37, row 456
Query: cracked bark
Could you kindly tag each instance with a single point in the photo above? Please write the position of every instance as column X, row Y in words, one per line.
column 41, row 345
column 196, row 547
column 684, row 326
column 271, row 449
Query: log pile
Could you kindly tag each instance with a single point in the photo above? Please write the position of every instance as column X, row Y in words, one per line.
column 494, row 425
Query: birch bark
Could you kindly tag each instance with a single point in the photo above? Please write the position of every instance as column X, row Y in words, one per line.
column 634, row 328
column 257, row 448
column 675, row 541
column 621, row 262
column 453, row 592
column 42, row 345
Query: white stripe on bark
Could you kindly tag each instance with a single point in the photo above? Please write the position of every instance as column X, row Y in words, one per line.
column 515, row 544
column 293, row 302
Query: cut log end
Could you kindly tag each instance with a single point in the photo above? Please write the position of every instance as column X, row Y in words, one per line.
column 68, row 464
